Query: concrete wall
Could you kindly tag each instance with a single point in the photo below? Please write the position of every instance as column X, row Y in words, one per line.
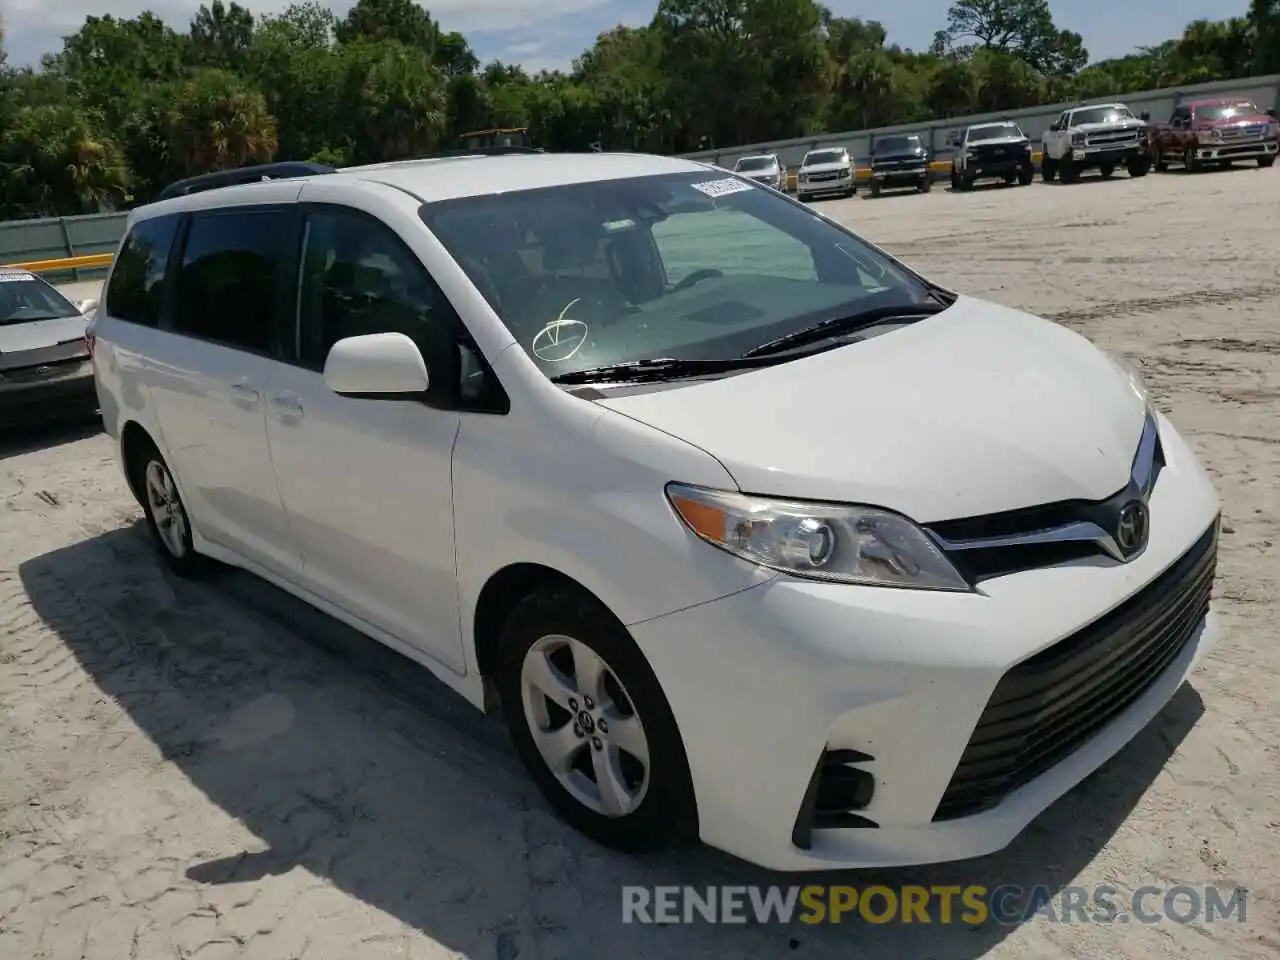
column 1265, row 91
column 57, row 238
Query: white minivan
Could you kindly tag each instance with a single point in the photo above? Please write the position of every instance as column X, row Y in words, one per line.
column 755, row 534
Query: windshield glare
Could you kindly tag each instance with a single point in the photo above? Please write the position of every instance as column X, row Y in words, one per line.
column 24, row 298
column 897, row 144
column 1102, row 115
column 996, row 131
column 688, row 266
column 755, row 163
column 1228, row 111
column 824, row 156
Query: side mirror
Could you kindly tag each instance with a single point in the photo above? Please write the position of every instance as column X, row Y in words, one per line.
column 1144, row 116
column 87, row 307
column 376, row 365
column 1272, row 113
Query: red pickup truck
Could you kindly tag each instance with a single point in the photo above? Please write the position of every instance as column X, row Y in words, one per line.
column 1216, row 132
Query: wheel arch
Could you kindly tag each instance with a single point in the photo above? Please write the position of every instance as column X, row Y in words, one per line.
column 134, row 440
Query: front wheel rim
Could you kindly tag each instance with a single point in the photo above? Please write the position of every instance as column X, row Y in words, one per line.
column 585, row 726
column 166, row 509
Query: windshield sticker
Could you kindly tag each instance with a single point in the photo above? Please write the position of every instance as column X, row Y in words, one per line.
column 560, row 339
column 721, row 188
column 15, row 277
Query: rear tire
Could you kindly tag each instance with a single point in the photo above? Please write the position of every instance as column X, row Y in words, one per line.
column 166, row 514
column 582, row 706
column 804, row 197
column 1107, row 171
column 1048, row 169
column 1139, row 166
column 875, row 189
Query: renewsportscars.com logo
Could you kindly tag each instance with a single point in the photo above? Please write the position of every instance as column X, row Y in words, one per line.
column 968, row 905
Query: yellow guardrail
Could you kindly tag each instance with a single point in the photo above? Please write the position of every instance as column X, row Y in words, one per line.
column 63, row 263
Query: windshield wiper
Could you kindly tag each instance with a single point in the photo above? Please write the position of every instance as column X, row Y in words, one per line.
column 658, row 368
column 844, row 325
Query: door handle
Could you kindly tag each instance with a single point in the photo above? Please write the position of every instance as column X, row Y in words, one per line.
column 244, row 394
column 287, row 405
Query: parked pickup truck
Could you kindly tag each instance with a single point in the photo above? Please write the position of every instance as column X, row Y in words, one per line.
column 990, row 150
column 1215, row 133
column 1097, row 137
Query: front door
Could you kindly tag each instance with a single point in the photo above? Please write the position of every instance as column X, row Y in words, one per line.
column 367, row 483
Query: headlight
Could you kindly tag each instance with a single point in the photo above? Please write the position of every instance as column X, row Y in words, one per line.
column 1215, row 135
column 837, row 543
column 1273, row 129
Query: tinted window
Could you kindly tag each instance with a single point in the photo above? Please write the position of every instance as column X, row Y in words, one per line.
column 358, row 278
column 1227, row 111
column 228, row 279
column 897, row 144
column 995, row 131
column 135, row 290
column 1101, row 115
column 825, row 156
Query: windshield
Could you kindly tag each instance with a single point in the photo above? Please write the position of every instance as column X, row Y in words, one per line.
column 688, row 266
column 1101, row 115
column 24, row 298
column 1228, row 111
column 995, row 131
column 897, row 144
column 754, row 163
column 824, row 156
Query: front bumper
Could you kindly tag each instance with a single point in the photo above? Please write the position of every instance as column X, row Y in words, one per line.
column 764, row 683
column 900, row 177
column 1237, row 151
column 981, row 167
column 1102, row 156
column 817, row 187
column 28, row 401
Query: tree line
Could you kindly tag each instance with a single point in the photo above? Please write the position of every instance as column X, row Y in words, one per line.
column 128, row 105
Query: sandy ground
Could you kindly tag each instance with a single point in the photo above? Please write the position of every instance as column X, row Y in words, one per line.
column 210, row 771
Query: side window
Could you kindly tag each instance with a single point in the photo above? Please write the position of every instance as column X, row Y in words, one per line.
column 228, row 279
column 358, row 278
column 136, row 287
column 729, row 242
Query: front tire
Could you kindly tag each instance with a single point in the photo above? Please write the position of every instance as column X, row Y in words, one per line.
column 589, row 720
column 875, row 189
column 1068, row 171
column 1107, row 171
column 1265, row 162
column 1026, row 175
column 1189, row 161
column 166, row 514
column 926, row 184
column 1048, row 169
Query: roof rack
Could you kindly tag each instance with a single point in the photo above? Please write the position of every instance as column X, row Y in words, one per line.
column 231, row 178
column 480, row 152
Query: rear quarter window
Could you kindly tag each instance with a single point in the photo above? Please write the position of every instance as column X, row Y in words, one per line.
column 136, row 286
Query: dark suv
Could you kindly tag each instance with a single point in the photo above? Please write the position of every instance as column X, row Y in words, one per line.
column 900, row 161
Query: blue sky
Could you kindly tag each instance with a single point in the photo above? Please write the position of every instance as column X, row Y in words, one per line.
column 549, row 33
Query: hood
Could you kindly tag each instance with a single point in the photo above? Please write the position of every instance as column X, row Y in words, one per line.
column 1100, row 127
column 827, row 167
column 1249, row 120
column 39, row 334
column 977, row 410
column 999, row 142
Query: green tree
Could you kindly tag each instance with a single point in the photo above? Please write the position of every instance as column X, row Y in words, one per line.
column 55, row 161
column 396, row 100
column 400, row 20
column 221, row 35
column 1024, row 28
column 218, row 122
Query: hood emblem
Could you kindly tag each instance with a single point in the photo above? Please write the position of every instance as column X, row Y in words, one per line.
column 1132, row 527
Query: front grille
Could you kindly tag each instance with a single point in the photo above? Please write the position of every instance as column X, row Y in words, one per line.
column 1051, row 704
column 1251, row 132
column 1114, row 138
column 824, row 176
column 45, row 371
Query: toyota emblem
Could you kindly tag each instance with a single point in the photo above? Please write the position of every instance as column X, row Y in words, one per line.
column 1131, row 528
